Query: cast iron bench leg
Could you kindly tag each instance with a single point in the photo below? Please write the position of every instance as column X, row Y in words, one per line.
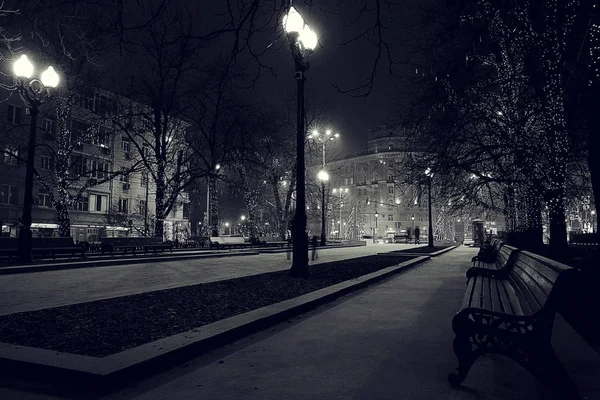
column 466, row 357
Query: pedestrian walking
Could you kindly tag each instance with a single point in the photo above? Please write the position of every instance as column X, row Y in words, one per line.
column 417, row 235
column 314, row 241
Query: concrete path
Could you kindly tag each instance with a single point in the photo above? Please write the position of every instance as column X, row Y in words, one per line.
column 33, row 291
column 390, row 341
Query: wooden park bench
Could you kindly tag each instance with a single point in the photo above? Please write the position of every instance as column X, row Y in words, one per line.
column 501, row 262
column 42, row 247
column 229, row 242
column 134, row 244
column 512, row 314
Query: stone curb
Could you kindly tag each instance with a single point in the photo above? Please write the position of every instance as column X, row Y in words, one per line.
column 92, row 374
column 399, row 254
column 108, row 262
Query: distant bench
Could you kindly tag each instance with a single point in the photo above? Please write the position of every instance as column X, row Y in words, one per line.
column 42, row 247
column 133, row 244
column 511, row 311
column 503, row 259
column 229, row 242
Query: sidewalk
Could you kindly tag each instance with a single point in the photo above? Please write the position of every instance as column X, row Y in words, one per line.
column 37, row 290
column 390, row 341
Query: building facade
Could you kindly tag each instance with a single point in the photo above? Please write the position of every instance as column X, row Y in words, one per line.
column 110, row 205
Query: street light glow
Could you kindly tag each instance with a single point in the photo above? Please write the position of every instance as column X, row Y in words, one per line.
column 323, row 176
column 23, row 68
column 49, row 77
column 293, row 21
column 217, row 167
column 243, row 217
column 308, row 38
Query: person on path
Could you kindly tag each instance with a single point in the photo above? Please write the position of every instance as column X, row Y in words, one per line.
column 314, row 241
column 417, row 235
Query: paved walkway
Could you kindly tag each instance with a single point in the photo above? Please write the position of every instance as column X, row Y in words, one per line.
column 33, row 291
column 390, row 341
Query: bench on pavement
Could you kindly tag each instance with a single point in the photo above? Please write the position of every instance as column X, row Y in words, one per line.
column 513, row 315
column 133, row 244
column 42, row 247
column 230, row 242
column 502, row 262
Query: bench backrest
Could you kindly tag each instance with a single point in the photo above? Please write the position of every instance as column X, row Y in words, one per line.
column 503, row 256
column 270, row 239
column 227, row 239
column 539, row 281
column 8, row 243
column 51, row 242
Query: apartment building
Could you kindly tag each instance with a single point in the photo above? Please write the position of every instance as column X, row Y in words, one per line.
column 378, row 202
column 109, row 205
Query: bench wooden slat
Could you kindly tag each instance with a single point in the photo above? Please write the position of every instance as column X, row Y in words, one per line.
column 495, row 300
column 509, row 298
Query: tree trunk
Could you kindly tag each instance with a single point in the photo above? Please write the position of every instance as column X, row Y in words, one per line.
column 213, row 206
column 159, row 225
column 63, row 218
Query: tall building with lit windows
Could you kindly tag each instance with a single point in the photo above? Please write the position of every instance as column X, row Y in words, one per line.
column 378, row 201
column 122, row 206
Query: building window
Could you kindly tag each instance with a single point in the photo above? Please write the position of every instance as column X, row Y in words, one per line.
column 48, row 126
column 146, row 150
column 102, row 104
column 98, row 202
column 346, row 181
column 44, row 199
column 13, row 114
column 390, row 190
column 125, row 146
column 10, row 156
column 124, row 205
column 124, row 178
column 390, row 217
column 82, row 204
column 86, row 99
column 352, row 181
column 186, row 210
column 46, row 163
column 100, row 137
column 142, row 207
column 79, row 131
column 9, row 194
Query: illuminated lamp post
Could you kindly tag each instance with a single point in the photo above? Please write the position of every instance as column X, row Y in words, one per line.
column 34, row 93
column 303, row 40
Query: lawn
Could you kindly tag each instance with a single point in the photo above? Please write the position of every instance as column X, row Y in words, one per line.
column 104, row 327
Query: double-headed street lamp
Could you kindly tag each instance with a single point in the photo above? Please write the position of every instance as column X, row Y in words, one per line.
column 323, row 176
column 34, row 93
column 341, row 191
column 324, row 138
column 302, row 42
column 429, row 175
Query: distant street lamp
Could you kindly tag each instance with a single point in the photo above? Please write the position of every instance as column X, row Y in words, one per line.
column 413, row 224
column 341, row 191
column 323, row 176
column 376, row 229
column 429, row 175
column 34, row 93
column 594, row 221
column 211, row 228
column 324, row 138
column 302, row 42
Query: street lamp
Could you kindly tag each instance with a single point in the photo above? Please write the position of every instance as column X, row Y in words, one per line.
column 341, row 191
column 34, row 93
column 212, row 175
column 323, row 176
column 328, row 136
column 302, row 42
column 429, row 175
column 594, row 221
column 376, row 229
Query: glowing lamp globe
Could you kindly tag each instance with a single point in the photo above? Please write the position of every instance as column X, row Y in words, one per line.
column 293, row 21
column 323, row 176
column 23, row 68
column 308, row 38
column 49, row 77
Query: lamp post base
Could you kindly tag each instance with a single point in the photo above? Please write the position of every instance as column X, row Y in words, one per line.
column 24, row 245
